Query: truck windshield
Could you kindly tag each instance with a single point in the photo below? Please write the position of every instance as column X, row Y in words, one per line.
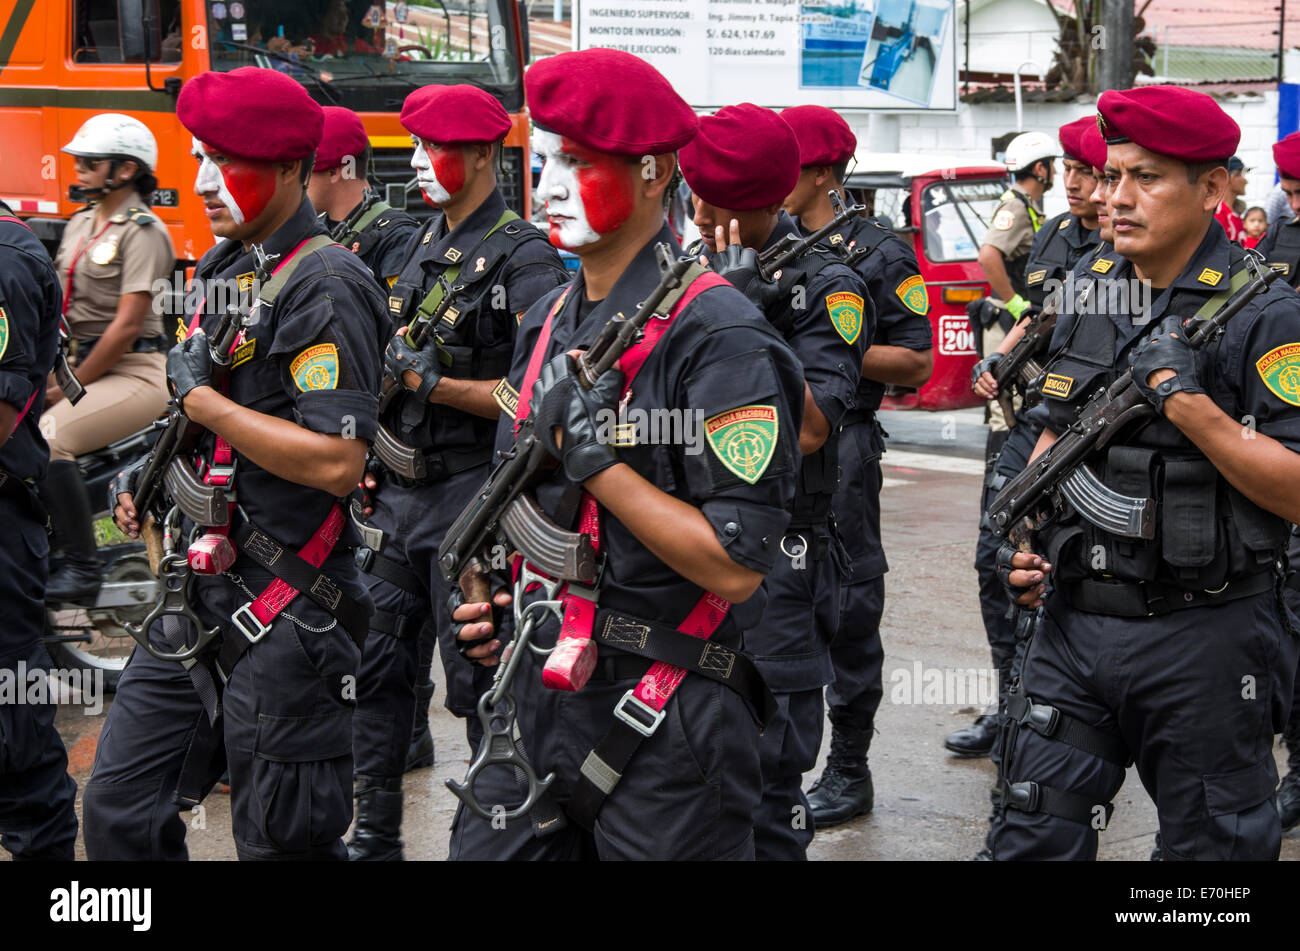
column 368, row 56
column 955, row 215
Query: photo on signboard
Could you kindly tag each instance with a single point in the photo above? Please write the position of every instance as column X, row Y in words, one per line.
column 833, row 38
column 906, row 41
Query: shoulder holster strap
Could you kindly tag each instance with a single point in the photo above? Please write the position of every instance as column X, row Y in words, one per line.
column 434, row 297
column 358, row 227
column 272, row 288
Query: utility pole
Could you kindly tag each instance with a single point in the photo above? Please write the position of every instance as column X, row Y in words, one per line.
column 1114, row 45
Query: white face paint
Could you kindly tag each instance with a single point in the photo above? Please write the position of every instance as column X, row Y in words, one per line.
column 425, row 175
column 210, row 179
column 558, row 187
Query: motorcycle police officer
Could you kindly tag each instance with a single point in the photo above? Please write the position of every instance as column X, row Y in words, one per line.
column 1058, row 246
column 353, row 215
column 687, row 527
column 290, row 428
column 900, row 354
column 451, row 393
column 740, row 168
column 1178, row 652
column 37, row 819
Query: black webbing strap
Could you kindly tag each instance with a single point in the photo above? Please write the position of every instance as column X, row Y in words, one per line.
column 634, row 723
column 268, row 553
column 1049, row 722
column 390, row 570
column 1034, row 797
column 1149, row 599
column 394, row 625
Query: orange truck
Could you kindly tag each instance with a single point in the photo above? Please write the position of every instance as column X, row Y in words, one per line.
column 63, row 61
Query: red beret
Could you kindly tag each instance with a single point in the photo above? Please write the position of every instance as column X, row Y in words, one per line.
column 1071, row 136
column 609, row 101
column 461, row 113
column 824, row 137
column 1092, row 145
column 344, row 135
column 1286, row 156
column 252, row 113
column 1169, row 120
column 745, row 157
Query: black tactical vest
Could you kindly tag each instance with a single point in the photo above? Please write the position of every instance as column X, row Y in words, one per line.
column 1285, row 254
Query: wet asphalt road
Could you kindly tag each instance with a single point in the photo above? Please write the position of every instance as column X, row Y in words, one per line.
column 929, row 805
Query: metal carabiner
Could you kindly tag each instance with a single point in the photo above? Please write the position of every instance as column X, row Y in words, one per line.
column 174, row 576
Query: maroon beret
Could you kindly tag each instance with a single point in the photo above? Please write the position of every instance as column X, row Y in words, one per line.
column 252, row 113
column 1091, row 145
column 1286, row 156
column 824, row 137
column 460, row 113
column 745, row 157
column 1071, row 136
column 1169, row 120
column 609, row 101
column 344, row 135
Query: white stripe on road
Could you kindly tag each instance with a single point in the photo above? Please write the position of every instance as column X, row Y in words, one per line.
column 937, row 462
column 888, row 483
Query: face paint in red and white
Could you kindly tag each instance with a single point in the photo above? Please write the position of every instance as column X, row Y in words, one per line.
column 245, row 188
column 587, row 193
column 439, row 170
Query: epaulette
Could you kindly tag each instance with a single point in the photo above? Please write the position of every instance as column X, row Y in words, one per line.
column 134, row 215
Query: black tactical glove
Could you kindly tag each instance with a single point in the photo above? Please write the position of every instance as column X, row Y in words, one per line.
column 189, row 365
column 124, row 483
column 739, row 265
column 456, row 600
column 401, row 356
column 1007, row 551
column 586, row 416
column 984, row 366
column 1166, row 349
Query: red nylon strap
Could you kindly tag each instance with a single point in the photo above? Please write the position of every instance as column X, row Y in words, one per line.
column 17, row 221
column 23, row 412
column 570, row 664
column 535, row 360
column 72, row 268
column 279, row 593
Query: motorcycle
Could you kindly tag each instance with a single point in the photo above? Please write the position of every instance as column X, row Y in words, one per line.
column 93, row 637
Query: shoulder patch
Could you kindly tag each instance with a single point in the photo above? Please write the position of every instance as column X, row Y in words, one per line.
column 1102, row 265
column 1210, row 276
column 913, row 295
column 4, row 332
column 316, row 368
column 507, row 397
column 1035, row 277
column 1004, row 219
column 744, row 439
column 1065, row 223
column 1279, row 369
column 846, row 314
column 1058, row 386
column 140, row 216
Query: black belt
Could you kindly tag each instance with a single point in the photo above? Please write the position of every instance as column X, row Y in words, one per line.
column 160, row 344
column 1149, row 598
column 442, row 465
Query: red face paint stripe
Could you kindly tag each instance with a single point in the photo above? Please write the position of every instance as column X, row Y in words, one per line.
column 606, row 186
column 251, row 184
column 449, row 166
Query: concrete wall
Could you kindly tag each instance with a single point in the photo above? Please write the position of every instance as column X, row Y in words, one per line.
column 970, row 130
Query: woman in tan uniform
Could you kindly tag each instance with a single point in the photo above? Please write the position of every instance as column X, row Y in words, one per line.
column 111, row 255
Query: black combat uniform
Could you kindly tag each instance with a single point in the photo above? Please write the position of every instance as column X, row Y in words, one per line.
column 286, row 711
column 897, row 291
column 691, row 789
column 1178, row 652
column 378, row 234
column 826, row 315
column 1280, row 247
column 37, row 820
column 1058, row 246
column 505, row 265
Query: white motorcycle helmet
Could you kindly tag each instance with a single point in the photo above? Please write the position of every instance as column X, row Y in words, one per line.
column 1030, row 147
column 113, row 135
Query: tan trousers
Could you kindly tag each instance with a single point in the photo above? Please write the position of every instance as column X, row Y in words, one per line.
column 119, row 403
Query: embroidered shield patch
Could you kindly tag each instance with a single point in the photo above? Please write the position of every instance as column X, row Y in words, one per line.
column 913, row 295
column 846, row 314
column 316, row 368
column 1279, row 369
column 744, row 439
column 4, row 331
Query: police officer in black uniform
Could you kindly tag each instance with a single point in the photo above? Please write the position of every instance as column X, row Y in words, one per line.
column 823, row 310
column 273, row 696
column 495, row 267
column 1179, row 652
column 901, row 354
column 1058, row 246
column 355, row 216
column 1281, row 249
column 683, row 522
column 37, row 820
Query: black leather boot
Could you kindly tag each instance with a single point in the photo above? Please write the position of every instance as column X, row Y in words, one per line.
column 377, row 836
column 975, row 740
column 80, row 574
column 420, row 752
column 844, row 789
column 1288, row 801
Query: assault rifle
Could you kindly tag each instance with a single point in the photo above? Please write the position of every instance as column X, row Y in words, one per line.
column 1018, row 367
column 1059, row 475
column 791, row 246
